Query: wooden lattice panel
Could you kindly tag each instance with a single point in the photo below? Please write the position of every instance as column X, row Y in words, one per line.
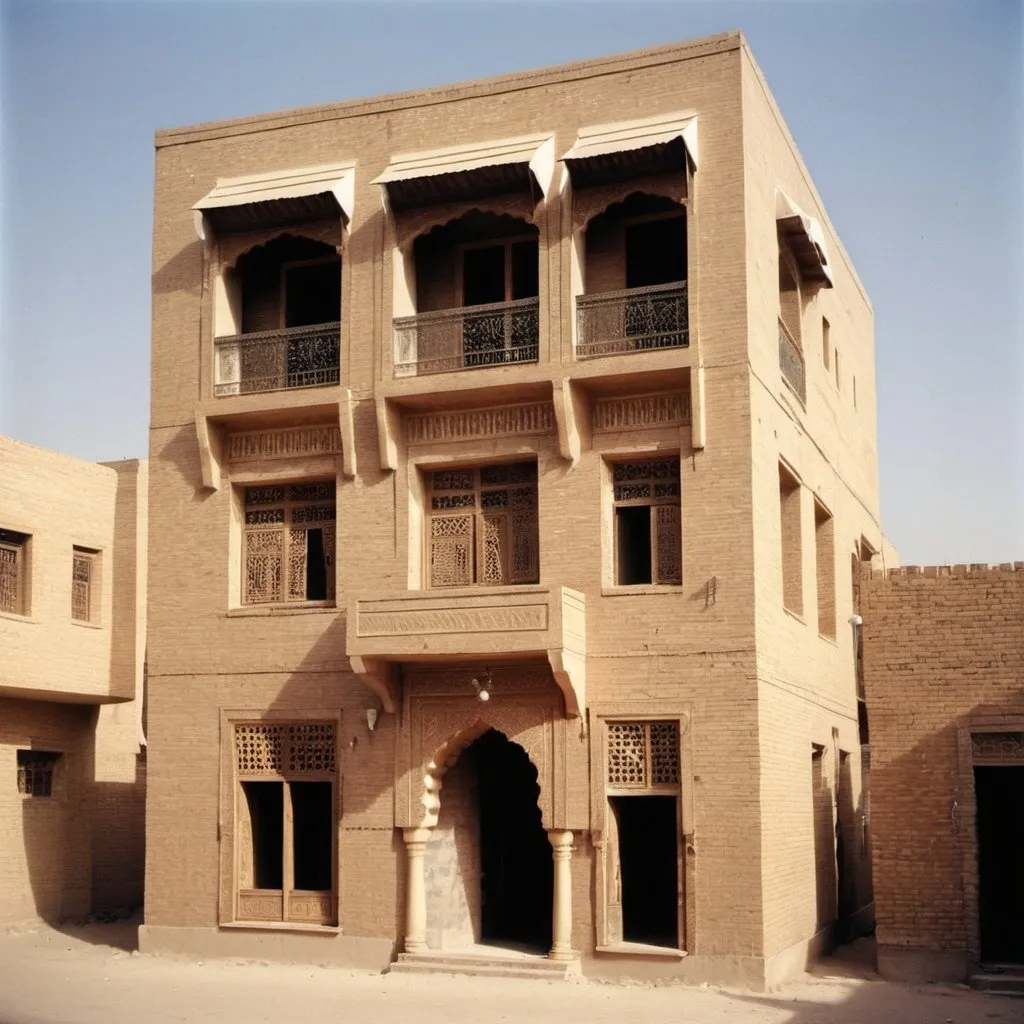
column 278, row 749
column 10, row 564
column 642, row 755
column 81, row 585
column 483, row 526
column 627, row 754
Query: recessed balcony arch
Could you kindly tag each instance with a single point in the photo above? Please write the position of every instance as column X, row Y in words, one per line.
column 632, row 259
column 277, row 317
column 467, row 295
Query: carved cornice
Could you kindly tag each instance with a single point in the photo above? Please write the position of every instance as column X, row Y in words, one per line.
column 471, row 424
column 286, row 443
column 641, row 411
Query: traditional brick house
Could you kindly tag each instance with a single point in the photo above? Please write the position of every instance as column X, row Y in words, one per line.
column 72, row 651
column 513, row 453
column 944, row 680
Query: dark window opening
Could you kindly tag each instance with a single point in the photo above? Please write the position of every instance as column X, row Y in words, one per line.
column 316, row 566
column 999, row 791
column 312, row 293
column 312, row 815
column 824, row 840
column 648, row 862
column 655, row 252
column 266, row 815
column 525, row 270
column 483, row 275
column 862, row 723
column 633, row 544
column 35, row 772
column 515, row 855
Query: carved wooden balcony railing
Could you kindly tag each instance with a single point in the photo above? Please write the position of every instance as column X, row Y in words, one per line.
column 295, row 357
column 632, row 320
column 791, row 363
column 467, row 338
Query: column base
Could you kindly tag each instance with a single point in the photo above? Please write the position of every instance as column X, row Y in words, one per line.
column 562, row 954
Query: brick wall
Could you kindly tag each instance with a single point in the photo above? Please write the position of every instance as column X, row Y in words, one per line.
column 943, row 653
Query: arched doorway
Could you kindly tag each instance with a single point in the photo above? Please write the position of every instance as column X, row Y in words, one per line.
column 488, row 862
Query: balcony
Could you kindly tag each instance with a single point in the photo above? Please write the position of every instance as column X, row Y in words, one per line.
column 791, row 363
column 470, row 623
column 632, row 320
column 467, row 338
column 294, row 357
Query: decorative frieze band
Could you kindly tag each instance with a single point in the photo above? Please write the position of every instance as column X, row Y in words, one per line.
column 289, row 442
column 999, row 747
column 470, row 424
column 454, row 620
column 641, row 411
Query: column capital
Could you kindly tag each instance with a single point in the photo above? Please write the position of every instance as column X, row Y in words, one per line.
column 416, row 836
column 561, row 841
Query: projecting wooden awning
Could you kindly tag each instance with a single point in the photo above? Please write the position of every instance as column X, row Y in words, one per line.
column 805, row 238
column 277, row 199
column 463, row 173
column 608, row 153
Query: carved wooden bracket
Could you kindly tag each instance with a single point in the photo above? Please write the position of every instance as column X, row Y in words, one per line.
column 565, row 418
column 697, row 422
column 209, row 450
column 386, row 443
column 379, row 676
column 570, row 671
column 348, row 438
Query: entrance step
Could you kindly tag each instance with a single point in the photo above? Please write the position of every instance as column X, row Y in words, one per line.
column 1000, row 980
column 500, row 964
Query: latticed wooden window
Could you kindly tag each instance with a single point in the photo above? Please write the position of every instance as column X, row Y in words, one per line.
column 648, row 526
column 35, row 772
column 12, row 571
column 286, row 821
column 83, row 568
column 482, row 526
column 289, row 543
column 643, row 755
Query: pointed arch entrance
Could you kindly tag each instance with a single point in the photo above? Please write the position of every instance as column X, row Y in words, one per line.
column 488, row 862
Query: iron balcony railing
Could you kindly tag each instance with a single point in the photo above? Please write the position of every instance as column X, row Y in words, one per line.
column 295, row 357
column 632, row 320
column 467, row 338
column 791, row 363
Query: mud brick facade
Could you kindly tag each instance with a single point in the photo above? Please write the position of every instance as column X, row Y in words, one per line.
column 944, row 683
column 72, row 654
column 487, row 423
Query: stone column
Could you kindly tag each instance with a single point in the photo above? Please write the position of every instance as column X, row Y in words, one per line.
column 415, row 890
column 561, row 910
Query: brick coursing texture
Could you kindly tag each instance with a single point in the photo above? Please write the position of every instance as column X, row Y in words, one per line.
column 760, row 686
column 943, row 645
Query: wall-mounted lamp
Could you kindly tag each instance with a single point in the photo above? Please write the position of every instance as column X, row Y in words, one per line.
column 482, row 685
column 856, row 620
column 371, row 718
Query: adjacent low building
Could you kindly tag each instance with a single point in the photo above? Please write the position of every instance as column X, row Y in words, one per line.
column 944, row 682
column 72, row 658
column 513, row 459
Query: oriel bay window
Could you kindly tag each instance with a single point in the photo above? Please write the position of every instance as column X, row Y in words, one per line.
column 285, row 813
column 647, row 522
column 288, row 543
column 482, row 526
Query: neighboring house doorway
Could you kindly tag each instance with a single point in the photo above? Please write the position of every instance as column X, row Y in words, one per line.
column 999, row 791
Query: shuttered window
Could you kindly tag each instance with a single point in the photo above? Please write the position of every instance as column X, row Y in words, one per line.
column 289, row 543
column 482, row 526
column 648, row 527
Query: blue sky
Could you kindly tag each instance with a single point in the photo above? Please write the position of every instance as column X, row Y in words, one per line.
column 908, row 114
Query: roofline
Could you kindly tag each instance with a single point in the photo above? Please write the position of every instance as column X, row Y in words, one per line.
column 513, row 81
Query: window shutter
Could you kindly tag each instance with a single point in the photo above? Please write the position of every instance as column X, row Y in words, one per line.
column 328, row 533
column 10, row 559
column 524, row 563
column 297, row 549
column 451, row 551
column 264, row 566
column 667, row 543
column 494, row 548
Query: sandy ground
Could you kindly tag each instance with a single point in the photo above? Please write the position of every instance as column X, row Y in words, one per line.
column 92, row 976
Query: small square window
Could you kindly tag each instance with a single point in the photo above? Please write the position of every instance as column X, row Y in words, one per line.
column 13, row 572
column 84, row 564
column 35, row 772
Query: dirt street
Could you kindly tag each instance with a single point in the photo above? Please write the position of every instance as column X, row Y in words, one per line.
column 92, row 976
